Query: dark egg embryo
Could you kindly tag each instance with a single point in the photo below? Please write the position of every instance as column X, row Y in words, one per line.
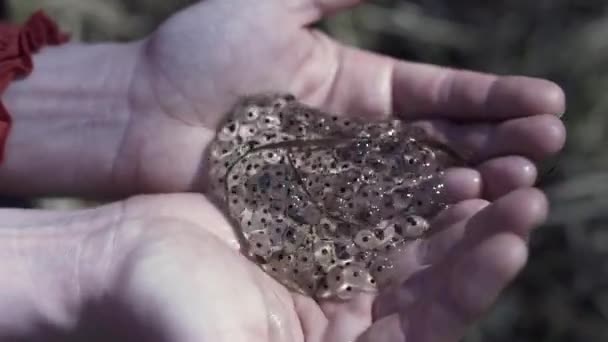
column 324, row 202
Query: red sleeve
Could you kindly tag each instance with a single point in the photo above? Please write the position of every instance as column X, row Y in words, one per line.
column 17, row 44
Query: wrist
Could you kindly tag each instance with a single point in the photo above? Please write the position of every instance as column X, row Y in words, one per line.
column 53, row 264
column 69, row 117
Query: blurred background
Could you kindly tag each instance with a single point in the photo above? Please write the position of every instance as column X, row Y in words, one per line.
column 563, row 293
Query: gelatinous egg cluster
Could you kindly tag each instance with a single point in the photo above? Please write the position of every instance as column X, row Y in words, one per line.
column 323, row 201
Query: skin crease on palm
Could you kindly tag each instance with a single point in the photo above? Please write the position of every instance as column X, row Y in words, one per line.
column 167, row 267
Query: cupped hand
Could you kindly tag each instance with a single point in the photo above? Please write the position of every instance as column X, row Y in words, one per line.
column 168, row 268
column 195, row 66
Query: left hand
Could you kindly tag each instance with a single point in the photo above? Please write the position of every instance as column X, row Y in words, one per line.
column 167, row 268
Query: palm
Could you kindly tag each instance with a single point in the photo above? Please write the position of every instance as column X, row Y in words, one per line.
column 197, row 64
column 192, row 273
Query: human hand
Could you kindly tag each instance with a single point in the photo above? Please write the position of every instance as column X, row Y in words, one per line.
column 197, row 64
column 141, row 119
column 167, row 268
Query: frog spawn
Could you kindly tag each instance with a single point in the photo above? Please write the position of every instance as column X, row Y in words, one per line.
column 323, row 202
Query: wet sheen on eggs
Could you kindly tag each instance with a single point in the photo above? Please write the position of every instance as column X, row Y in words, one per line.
column 322, row 201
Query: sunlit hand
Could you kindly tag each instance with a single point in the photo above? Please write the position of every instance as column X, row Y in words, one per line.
column 196, row 65
column 167, row 268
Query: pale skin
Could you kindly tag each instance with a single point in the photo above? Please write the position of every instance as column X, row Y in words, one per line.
column 124, row 119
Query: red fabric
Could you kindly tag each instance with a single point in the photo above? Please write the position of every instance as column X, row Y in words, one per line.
column 17, row 44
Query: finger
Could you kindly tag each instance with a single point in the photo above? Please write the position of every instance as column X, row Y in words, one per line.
column 461, row 184
column 458, row 212
column 415, row 256
column 447, row 229
column 503, row 175
column 440, row 303
column 422, row 90
column 474, row 283
column 470, row 284
column 517, row 212
column 479, row 276
column 536, row 137
column 376, row 85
